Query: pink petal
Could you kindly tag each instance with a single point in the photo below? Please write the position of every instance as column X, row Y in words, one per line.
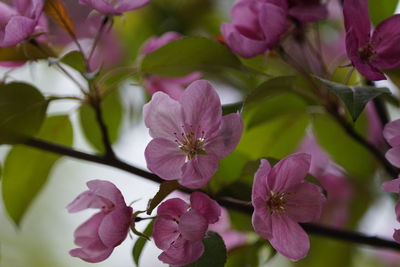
column 396, row 235
column 91, row 255
column 260, row 192
column 127, row 5
column 391, row 132
column 102, row 6
column 205, row 206
column 356, row 17
column 288, row 238
column 115, row 225
column 241, row 44
column 392, row 186
column 233, row 239
column 273, row 21
column 165, row 159
column 156, row 42
column 262, row 222
column 304, row 202
column 163, row 116
column 88, row 200
column 393, row 156
column 87, row 233
column 172, row 208
column 308, row 13
column 201, row 108
column 397, row 210
column 107, row 190
column 17, row 30
column 385, row 40
column 199, row 170
column 193, row 226
column 165, row 231
column 288, row 172
column 182, row 252
column 228, row 136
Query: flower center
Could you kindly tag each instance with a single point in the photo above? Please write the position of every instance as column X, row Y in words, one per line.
column 276, row 203
column 366, row 52
column 190, row 143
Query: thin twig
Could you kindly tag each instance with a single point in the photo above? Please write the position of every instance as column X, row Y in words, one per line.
column 96, row 40
column 339, row 234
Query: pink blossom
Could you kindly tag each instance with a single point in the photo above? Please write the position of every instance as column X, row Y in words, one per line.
column 371, row 53
column 173, row 86
column 105, row 230
column 18, row 22
column 391, row 132
column 256, row 26
column 232, row 238
column 281, row 199
column 114, row 7
column 190, row 135
column 393, row 186
column 179, row 228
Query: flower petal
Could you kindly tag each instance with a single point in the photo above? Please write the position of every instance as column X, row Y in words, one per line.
column 391, row 132
column 308, row 13
column 100, row 5
column 182, row 252
column 87, row 233
column 156, row 42
column 356, row 17
column 288, row 172
column 273, row 22
column 262, row 223
column 201, row 108
column 17, row 30
column 172, row 208
column 385, row 40
column 288, row 238
column 392, row 186
column 396, row 235
column 199, row 170
column 164, row 158
column 393, row 156
column 126, row 5
column 163, row 116
column 165, row 231
column 260, row 193
column 304, row 202
column 87, row 200
column 206, row 206
column 115, row 225
column 108, row 191
column 193, row 226
column 91, row 255
column 228, row 136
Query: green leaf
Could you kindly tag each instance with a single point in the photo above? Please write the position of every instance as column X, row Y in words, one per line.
column 26, row 169
column 75, row 59
column 165, row 189
column 354, row 97
column 214, row 252
column 380, row 10
column 270, row 88
column 344, row 150
column 112, row 115
column 184, row 56
column 140, row 243
column 231, row 108
column 22, row 111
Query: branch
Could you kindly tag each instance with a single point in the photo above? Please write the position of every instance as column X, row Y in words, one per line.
column 344, row 235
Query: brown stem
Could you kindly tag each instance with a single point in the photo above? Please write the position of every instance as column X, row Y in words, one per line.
column 339, row 234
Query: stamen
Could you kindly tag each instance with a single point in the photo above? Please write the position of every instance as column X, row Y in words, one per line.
column 276, row 203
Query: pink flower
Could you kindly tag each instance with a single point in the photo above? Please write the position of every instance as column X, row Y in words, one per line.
column 391, row 132
column 174, row 86
column 232, row 238
column 281, row 198
column 179, row 228
column 256, row 26
column 393, row 186
column 369, row 54
column 307, row 10
column 190, row 135
column 18, row 22
column 105, row 230
column 114, row 7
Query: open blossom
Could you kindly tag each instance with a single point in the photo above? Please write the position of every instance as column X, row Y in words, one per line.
column 281, row 199
column 371, row 53
column 391, row 132
column 19, row 22
column 190, row 135
column 180, row 228
column 105, row 230
column 256, row 26
column 114, row 7
column 394, row 187
column 173, row 86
